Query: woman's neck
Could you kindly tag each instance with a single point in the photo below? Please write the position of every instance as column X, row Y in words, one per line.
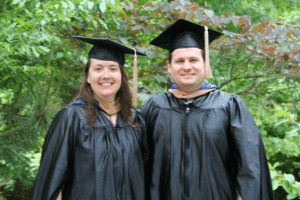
column 110, row 107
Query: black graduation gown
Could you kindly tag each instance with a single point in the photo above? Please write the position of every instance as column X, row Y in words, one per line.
column 208, row 149
column 90, row 163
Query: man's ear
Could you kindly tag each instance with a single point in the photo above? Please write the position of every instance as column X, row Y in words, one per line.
column 169, row 67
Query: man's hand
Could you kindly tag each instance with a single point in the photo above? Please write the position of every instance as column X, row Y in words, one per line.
column 239, row 198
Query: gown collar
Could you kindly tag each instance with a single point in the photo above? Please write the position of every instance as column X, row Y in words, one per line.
column 82, row 101
column 205, row 88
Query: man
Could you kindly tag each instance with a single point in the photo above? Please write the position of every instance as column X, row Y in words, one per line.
column 204, row 143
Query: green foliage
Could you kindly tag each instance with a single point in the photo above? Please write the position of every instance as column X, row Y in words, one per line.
column 287, row 181
column 273, row 9
column 25, row 173
column 41, row 68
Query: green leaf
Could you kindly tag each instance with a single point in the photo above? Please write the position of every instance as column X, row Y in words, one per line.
column 83, row 59
column 71, row 5
column 273, row 174
column 45, row 49
column 36, row 54
column 281, row 114
column 43, row 22
column 95, row 23
column 16, row 1
column 297, row 185
column 57, row 39
column 25, row 68
column 286, row 186
column 116, row 20
column 103, row 24
column 59, row 55
column 37, row 5
column 281, row 122
column 102, row 6
column 292, row 195
column 294, row 132
column 46, row 36
column 64, row 4
column 276, row 164
column 21, row 4
column 90, row 5
column 290, row 178
column 275, row 184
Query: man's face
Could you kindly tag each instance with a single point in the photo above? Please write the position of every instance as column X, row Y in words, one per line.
column 187, row 69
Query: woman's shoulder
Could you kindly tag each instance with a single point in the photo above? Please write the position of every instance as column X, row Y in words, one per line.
column 71, row 110
column 136, row 118
column 138, row 114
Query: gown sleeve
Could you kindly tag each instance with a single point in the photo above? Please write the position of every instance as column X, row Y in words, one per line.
column 253, row 177
column 57, row 153
column 144, row 143
column 149, row 113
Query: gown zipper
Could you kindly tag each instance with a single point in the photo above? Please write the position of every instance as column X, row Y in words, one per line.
column 185, row 142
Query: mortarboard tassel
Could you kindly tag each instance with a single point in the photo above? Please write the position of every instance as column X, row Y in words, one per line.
column 207, row 65
column 135, row 81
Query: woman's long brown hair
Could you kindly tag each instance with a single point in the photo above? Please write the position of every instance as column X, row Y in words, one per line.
column 123, row 97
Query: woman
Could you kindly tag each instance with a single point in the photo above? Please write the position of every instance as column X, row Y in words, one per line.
column 96, row 146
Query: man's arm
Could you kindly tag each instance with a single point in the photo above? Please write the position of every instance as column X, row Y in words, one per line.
column 253, row 174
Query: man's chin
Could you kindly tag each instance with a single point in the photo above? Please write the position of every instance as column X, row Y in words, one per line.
column 188, row 87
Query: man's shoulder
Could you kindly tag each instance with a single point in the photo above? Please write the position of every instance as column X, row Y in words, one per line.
column 218, row 95
column 220, row 98
column 215, row 99
column 161, row 97
column 163, row 100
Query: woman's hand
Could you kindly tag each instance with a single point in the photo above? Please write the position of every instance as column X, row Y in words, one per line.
column 59, row 196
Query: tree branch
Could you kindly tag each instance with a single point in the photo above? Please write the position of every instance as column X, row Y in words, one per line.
column 260, row 81
column 280, row 90
column 230, row 73
column 214, row 72
column 13, row 132
column 242, row 77
column 260, row 93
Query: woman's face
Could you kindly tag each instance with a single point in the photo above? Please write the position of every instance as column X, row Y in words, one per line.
column 104, row 78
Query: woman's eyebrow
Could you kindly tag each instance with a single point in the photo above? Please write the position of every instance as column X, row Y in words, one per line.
column 102, row 65
column 97, row 65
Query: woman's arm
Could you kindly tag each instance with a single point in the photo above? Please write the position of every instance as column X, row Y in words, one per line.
column 56, row 156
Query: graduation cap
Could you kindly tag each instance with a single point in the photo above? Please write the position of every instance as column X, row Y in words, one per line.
column 186, row 34
column 106, row 49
